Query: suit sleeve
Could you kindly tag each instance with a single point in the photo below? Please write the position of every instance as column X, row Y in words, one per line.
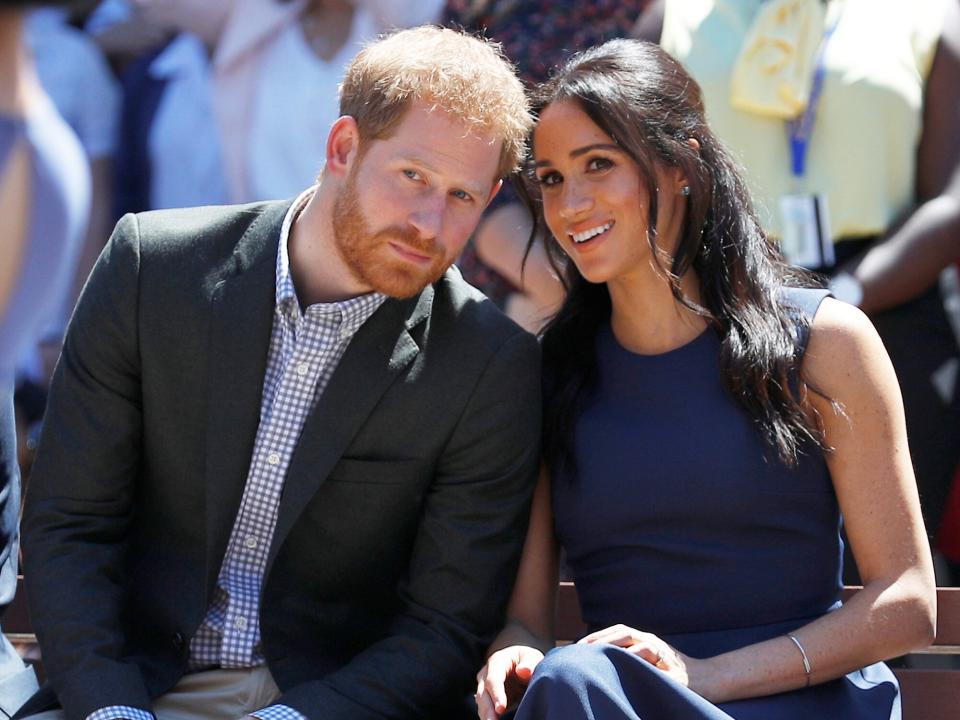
column 80, row 498
column 464, row 559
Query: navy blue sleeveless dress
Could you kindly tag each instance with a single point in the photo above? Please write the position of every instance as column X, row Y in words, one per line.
column 682, row 522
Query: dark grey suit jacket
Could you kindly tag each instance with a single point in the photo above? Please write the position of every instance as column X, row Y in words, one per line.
column 402, row 514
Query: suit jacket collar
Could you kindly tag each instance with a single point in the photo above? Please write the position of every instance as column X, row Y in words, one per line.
column 242, row 320
column 378, row 354
column 242, row 301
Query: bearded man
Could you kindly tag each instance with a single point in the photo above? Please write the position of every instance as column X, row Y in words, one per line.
column 289, row 453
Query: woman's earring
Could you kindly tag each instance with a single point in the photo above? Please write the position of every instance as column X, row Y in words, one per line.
column 685, row 191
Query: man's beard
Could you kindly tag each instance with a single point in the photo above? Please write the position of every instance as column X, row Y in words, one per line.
column 370, row 259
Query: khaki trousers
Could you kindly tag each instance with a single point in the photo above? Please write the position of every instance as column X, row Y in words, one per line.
column 209, row 695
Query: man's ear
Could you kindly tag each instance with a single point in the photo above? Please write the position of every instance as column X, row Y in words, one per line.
column 494, row 191
column 343, row 146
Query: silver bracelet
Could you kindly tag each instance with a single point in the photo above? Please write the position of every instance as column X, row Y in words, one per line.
column 803, row 654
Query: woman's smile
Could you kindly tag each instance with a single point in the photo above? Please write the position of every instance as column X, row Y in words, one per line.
column 584, row 236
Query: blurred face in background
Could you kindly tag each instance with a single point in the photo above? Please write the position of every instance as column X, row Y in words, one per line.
column 204, row 18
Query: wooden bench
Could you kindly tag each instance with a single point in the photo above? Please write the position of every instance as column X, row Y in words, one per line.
column 19, row 630
column 927, row 694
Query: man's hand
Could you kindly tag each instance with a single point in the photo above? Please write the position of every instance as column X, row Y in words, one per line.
column 503, row 680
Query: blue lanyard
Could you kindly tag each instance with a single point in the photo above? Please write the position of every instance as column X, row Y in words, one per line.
column 800, row 129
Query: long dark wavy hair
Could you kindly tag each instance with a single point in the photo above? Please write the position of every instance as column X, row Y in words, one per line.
column 647, row 103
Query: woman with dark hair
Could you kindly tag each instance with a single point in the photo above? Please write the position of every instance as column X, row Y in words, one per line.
column 707, row 420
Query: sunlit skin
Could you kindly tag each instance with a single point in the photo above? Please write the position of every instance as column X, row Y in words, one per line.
column 589, row 184
column 392, row 214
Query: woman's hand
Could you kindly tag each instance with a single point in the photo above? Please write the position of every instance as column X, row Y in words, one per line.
column 503, row 680
column 648, row 647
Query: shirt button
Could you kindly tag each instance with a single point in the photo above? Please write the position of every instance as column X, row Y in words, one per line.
column 303, row 368
column 273, row 458
column 250, row 542
column 240, row 623
column 344, row 333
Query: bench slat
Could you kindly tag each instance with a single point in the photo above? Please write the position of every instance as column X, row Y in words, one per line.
column 569, row 624
column 16, row 619
column 929, row 694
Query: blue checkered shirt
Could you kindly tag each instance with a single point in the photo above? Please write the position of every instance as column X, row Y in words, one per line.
column 305, row 347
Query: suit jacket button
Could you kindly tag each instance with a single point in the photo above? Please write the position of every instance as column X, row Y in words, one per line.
column 178, row 641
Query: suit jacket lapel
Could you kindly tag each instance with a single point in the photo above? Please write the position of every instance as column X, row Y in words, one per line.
column 378, row 353
column 241, row 324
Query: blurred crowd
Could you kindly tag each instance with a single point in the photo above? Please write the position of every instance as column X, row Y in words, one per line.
column 193, row 102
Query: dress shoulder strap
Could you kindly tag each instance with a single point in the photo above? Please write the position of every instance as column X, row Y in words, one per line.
column 802, row 305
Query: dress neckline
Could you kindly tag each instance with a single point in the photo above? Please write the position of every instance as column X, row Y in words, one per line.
column 610, row 338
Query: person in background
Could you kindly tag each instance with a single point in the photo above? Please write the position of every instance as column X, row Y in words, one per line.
column 122, row 33
column 170, row 152
column 75, row 75
column 275, row 75
column 236, row 106
column 44, row 200
column 538, row 36
column 845, row 116
column 706, row 420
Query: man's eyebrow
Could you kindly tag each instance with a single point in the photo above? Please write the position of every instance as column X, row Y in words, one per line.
column 417, row 160
column 583, row 151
